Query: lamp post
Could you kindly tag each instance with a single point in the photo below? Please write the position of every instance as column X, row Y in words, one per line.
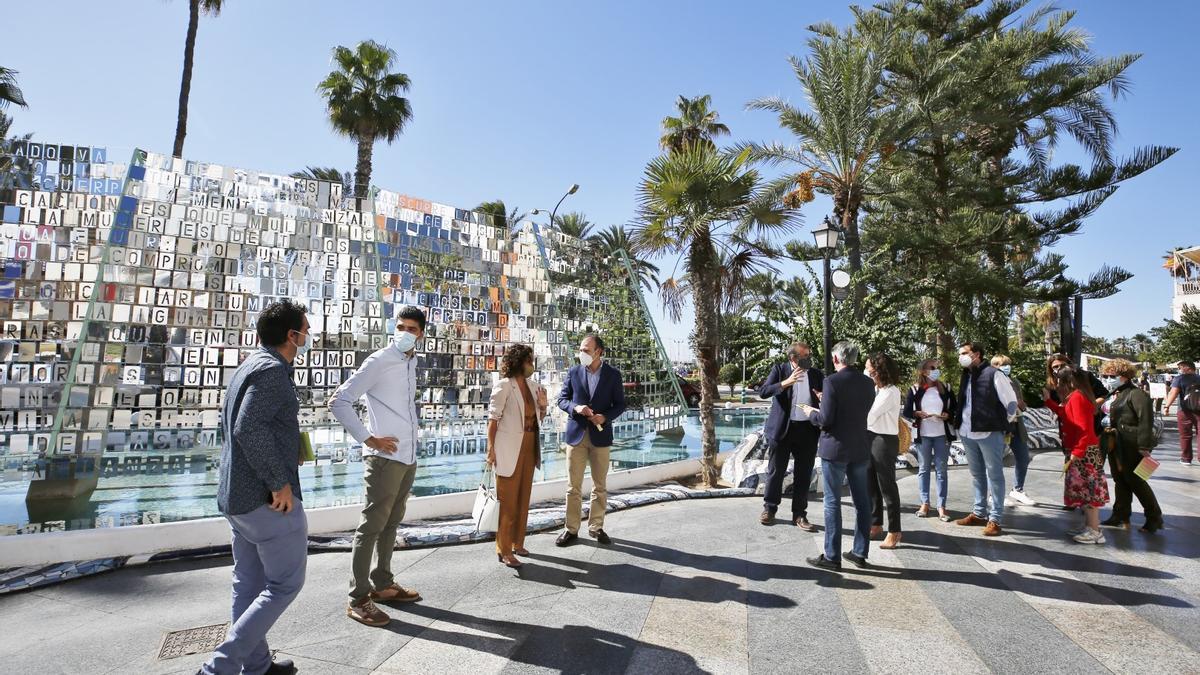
column 570, row 191
column 743, row 375
column 827, row 239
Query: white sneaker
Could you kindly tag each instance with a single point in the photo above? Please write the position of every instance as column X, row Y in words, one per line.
column 1090, row 537
column 1076, row 531
column 1020, row 497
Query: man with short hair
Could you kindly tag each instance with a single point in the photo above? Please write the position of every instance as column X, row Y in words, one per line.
column 1187, row 417
column 845, row 454
column 593, row 395
column 258, row 491
column 989, row 410
column 790, row 435
column 388, row 382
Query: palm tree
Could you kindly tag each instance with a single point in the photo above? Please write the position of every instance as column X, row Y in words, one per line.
column 10, row 93
column 212, row 8
column 502, row 217
column 15, row 171
column 844, row 139
column 698, row 203
column 363, row 100
column 574, row 224
column 695, row 124
column 616, row 238
column 327, row 173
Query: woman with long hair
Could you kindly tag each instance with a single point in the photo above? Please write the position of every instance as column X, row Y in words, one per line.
column 883, row 423
column 930, row 406
column 517, row 405
column 1084, row 484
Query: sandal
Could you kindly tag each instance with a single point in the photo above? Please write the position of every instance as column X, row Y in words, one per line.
column 923, row 512
column 943, row 516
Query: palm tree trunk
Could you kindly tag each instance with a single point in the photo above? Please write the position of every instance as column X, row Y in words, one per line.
column 948, row 351
column 185, row 86
column 1020, row 313
column 362, row 171
column 848, row 203
column 705, row 297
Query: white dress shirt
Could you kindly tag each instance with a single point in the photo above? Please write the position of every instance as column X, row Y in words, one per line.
column 388, row 380
column 801, row 395
column 1008, row 398
column 931, row 403
column 884, row 417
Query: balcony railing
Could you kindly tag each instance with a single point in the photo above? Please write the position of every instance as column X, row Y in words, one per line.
column 1187, row 287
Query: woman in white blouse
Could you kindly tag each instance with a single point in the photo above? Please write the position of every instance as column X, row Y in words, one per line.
column 883, row 423
column 517, row 406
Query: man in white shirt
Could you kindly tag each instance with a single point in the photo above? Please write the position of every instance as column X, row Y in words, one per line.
column 989, row 410
column 388, row 381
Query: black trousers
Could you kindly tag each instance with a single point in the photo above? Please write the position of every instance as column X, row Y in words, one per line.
column 1129, row 484
column 800, row 444
column 881, row 476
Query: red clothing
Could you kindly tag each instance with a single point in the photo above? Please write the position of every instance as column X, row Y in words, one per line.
column 1078, row 423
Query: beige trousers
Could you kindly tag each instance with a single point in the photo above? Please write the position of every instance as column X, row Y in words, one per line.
column 580, row 457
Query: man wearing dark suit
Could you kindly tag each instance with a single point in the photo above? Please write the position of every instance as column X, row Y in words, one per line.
column 790, row 435
column 845, row 454
column 593, row 395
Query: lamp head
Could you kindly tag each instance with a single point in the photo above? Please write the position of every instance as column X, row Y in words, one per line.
column 574, row 188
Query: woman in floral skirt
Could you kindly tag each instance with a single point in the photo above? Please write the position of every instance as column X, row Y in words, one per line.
column 1085, row 485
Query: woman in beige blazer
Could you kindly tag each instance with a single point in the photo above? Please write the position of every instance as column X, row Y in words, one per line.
column 517, row 406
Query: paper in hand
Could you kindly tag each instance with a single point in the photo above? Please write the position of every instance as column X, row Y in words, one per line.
column 1146, row 468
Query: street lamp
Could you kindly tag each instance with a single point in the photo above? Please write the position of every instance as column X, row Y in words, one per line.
column 570, row 191
column 743, row 375
column 827, row 237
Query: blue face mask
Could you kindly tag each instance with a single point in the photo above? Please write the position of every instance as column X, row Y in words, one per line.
column 1006, row 369
column 934, row 375
column 404, row 341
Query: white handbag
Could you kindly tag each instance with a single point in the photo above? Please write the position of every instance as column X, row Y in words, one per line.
column 486, row 512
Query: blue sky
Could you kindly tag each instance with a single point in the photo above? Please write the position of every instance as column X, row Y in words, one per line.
column 517, row 100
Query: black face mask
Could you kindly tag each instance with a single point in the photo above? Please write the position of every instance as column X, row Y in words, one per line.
column 805, row 362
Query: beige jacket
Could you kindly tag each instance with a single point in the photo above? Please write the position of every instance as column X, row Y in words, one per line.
column 507, row 408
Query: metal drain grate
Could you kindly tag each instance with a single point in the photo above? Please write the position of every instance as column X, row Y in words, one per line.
column 192, row 641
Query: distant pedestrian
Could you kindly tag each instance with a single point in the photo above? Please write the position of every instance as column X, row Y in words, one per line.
column 883, row 423
column 258, row 492
column 930, row 406
column 1186, row 388
column 1084, row 486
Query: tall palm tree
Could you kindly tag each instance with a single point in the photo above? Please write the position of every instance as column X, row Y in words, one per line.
column 363, row 100
column 328, row 173
column 842, row 141
column 695, row 123
column 698, row 203
column 501, row 216
column 616, row 238
column 574, row 224
column 10, row 93
column 195, row 7
column 15, row 171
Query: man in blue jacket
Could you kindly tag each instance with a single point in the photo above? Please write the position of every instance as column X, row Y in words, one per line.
column 845, row 454
column 593, row 395
column 258, row 492
column 790, row 435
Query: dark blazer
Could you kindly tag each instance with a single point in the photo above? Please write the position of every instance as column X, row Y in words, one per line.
column 913, row 404
column 781, row 406
column 607, row 400
column 845, row 401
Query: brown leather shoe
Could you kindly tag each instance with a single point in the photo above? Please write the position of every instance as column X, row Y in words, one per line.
column 766, row 517
column 971, row 519
column 803, row 524
column 395, row 593
column 992, row 529
column 876, row 532
column 365, row 612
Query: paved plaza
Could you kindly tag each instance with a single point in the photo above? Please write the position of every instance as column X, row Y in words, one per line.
column 694, row 586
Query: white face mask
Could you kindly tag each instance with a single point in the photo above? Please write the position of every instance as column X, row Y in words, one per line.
column 405, row 341
column 965, row 360
column 303, row 347
column 585, row 359
column 934, row 375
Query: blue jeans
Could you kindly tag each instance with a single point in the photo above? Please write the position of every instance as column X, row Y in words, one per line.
column 985, row 456
column 270, row 552
column 1020, row 457
column 832, row 474
column 935, row 451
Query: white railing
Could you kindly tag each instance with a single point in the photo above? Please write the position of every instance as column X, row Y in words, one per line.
column 1188, row 287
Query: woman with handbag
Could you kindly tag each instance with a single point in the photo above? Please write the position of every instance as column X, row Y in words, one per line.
column 516, row 407
column 1085, row 486
column 883, row 423
column 1131, row 421
column 930, row 407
